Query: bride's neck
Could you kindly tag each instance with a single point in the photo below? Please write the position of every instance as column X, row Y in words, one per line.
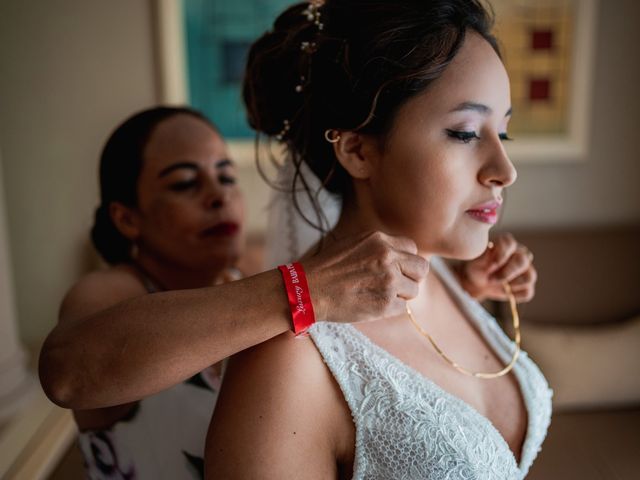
column 355, row 219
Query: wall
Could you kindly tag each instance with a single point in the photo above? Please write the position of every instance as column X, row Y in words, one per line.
column 604, row 189
column 69, row 70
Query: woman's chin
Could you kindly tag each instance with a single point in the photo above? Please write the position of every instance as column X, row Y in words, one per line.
column 465, row 251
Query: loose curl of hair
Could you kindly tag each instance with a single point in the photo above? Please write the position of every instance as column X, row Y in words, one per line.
column 120, row 165
column 370, row 58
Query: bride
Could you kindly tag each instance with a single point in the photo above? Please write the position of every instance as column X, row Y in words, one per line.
column 401, row 108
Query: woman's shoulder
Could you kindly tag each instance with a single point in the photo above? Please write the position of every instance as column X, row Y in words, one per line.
column 278, row 397
column 101, row 289
column 295, row 359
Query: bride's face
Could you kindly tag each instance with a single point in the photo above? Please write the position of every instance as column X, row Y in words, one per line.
column 440, row 177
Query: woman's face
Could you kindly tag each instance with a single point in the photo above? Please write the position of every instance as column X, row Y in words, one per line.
column 440, row 177
column 190, row 210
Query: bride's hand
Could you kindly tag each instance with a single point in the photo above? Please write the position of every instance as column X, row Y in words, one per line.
column 506, row 261
column 364, row 278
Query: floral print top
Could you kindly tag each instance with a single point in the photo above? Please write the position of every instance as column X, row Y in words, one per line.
column 163, row 436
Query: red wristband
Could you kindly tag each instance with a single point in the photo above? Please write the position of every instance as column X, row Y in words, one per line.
column 295, row 282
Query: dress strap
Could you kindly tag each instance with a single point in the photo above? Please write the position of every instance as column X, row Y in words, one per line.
column 149, row 285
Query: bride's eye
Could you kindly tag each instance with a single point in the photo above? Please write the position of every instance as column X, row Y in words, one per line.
column 505, row 137
column 463, row 136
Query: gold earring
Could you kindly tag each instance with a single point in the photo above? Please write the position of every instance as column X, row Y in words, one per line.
column 332, row 136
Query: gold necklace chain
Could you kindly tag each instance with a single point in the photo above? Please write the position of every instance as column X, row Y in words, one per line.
column 484, row 375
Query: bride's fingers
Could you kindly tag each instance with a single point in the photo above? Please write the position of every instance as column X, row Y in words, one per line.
column 516, row 265
column 525, row 294
column 504, row 246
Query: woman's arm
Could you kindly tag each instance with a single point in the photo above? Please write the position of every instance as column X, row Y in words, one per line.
column 280, row 415
column 134, row 347
column 110, row 348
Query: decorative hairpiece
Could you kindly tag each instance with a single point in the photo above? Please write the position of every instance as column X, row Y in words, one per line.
column 285, row 129
column 312, row 12
column 308, row 47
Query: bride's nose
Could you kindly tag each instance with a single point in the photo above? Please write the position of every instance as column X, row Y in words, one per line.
column 498, row 170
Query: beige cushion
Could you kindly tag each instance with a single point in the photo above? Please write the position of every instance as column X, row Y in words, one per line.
column 585, row 276
column 588, row 366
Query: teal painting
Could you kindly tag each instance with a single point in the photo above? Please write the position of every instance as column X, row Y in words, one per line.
column 218, row 36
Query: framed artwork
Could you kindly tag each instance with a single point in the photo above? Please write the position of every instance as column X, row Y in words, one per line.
column 548, row 48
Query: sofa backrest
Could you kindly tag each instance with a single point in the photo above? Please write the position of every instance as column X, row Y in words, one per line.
column 585, row 276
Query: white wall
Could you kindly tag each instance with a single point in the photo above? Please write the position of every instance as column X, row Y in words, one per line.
column 69, row 71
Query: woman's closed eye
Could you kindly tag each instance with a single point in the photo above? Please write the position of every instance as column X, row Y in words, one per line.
column 227, row 179
column 183, row 185
column 467, row 136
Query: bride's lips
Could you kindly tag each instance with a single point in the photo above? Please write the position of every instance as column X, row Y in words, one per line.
column 222, row 229
column 485, row 212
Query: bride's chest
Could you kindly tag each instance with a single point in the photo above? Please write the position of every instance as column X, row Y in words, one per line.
column 499, row 400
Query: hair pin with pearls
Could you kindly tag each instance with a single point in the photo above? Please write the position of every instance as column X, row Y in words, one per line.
column 285, row 129
column 312, row 12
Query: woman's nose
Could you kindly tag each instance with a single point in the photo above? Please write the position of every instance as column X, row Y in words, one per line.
column 216, row 195
column 498, row 170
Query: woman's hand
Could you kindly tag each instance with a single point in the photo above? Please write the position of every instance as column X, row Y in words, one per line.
column 364, row 278
column 505, row 260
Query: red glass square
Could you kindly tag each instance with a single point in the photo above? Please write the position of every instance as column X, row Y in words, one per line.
column 539, row 89
column 542, row 39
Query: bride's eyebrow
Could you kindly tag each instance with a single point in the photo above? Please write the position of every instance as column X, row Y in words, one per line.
column 477, row 107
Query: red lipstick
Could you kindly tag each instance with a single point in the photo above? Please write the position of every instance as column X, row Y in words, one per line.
column 485, row 212
column 222, row 229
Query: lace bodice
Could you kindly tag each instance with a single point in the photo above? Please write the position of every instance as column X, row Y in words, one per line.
column 407, row 427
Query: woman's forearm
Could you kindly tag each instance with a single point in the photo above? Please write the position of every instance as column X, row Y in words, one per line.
column 146, row 344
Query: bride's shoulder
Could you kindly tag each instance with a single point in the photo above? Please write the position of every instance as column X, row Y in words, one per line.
column 284, row 359
column 278, row 397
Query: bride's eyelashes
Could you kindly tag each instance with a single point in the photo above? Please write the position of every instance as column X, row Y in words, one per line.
column 466, row 136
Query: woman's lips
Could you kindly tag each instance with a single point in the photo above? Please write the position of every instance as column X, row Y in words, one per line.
column 222, row 229
column 485, row 213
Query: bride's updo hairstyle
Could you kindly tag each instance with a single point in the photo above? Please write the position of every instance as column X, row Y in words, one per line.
column 350, row 65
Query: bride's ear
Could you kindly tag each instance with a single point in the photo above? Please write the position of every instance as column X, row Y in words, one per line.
column 354, row 152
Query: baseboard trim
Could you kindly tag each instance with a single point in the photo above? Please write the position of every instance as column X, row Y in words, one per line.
column 35, row 439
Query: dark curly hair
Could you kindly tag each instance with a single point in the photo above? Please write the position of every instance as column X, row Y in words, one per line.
column 370, row 57
column 120, row 165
